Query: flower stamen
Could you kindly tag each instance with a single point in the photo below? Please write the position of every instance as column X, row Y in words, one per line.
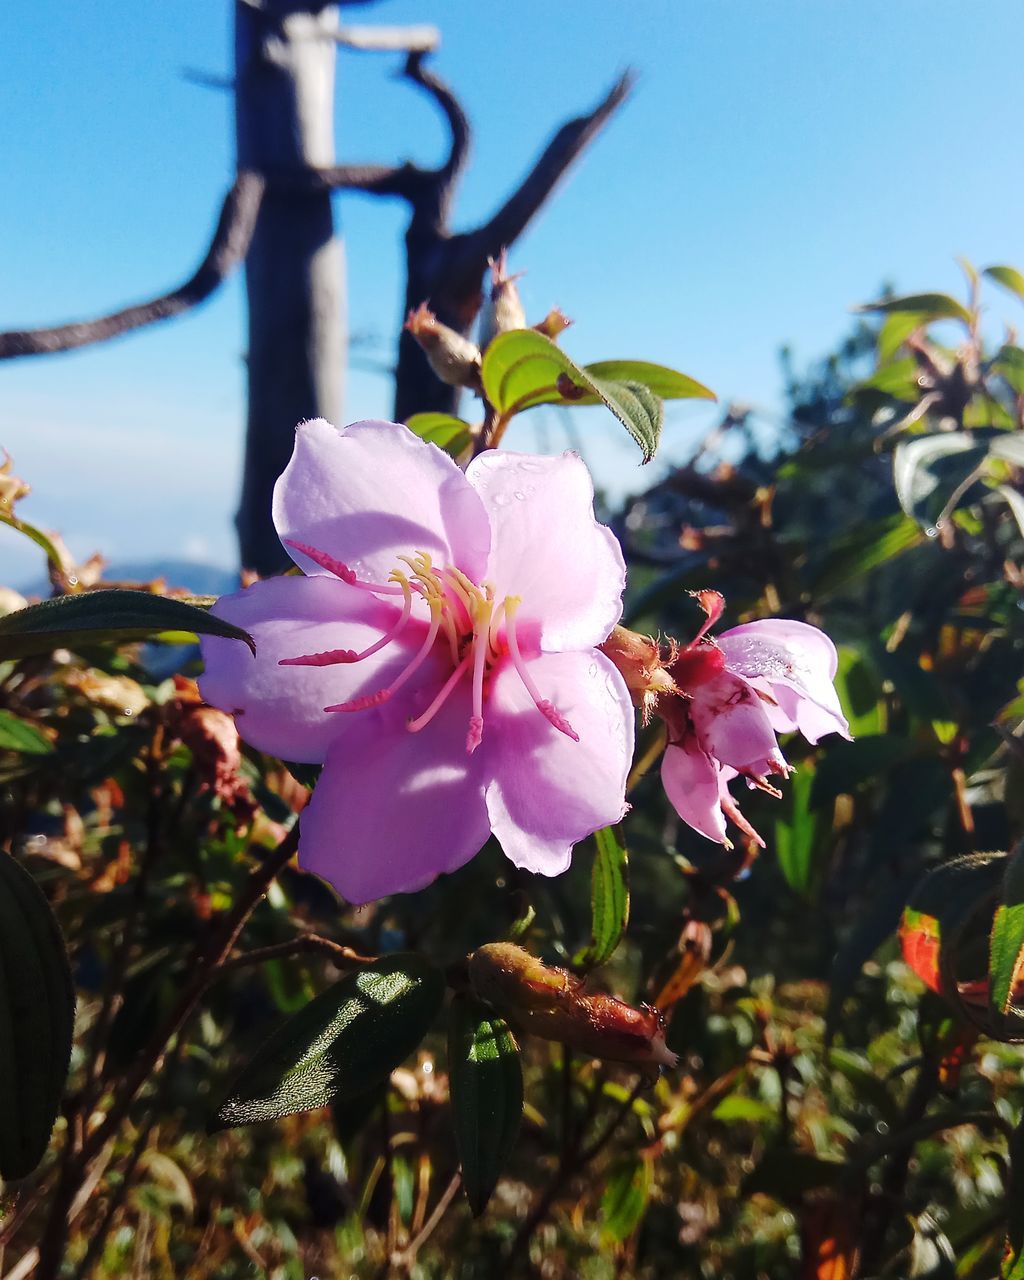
column 546, row 708
column 375, row 699
column 421, row 721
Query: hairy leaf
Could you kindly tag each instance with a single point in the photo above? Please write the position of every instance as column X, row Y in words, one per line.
column 609, row 898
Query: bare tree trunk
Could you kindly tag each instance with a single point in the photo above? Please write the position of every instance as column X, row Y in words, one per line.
column 285, row 53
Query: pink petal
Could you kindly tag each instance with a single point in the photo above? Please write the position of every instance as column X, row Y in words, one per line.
column 733, row 727
column 373, row 492
column 548, row 548
column 693, row 784
column 786, row 655
column 546, row 791
column 393, row 810
column 278, row 709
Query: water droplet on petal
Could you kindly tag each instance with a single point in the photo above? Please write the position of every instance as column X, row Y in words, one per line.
column 931, row 532
column 501, row 499
column 520, row 495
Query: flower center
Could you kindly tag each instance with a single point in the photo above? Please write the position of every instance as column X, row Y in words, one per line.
column 465, row 620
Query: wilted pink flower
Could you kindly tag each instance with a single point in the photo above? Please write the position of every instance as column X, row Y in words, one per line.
column 438, row 657
column 737, row 692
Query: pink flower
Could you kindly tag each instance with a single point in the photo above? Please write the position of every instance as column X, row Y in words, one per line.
column 438, row 657
column 757, row 680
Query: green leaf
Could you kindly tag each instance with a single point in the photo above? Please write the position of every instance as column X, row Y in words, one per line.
column 860, row 693
column 19, row 735
column 932, row 306
column 1015, row 501
column 449, row 433
column 486, row 1083
column 625, row 1198
column 915, row 460
column 797, row 833
column 609, row 898
column 666, row 384
column 736, row 1109
column 522, row 368
column 1009, row 364
column 788, row 1175
column 867, row 547
column 105, row 617
column 1009, row 277
column 37, row 1019
column 38, row 536
column 895, row 329
column 345, row 1041
column 1006, row 946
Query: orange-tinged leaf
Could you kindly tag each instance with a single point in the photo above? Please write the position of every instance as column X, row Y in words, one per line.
column 919, row 939
column 829, row 1231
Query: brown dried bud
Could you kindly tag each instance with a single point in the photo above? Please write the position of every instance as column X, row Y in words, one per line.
column 544, row 1001
column 503, row 309
column 641, row 665
column 455, row 359
column 212, row 738
column 554, row 323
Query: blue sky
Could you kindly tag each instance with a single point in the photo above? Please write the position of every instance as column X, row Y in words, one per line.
column 776, row 162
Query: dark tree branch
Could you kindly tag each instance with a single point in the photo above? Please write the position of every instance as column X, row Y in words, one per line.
column 512, row 219
column 458, row 153
column 229, row 246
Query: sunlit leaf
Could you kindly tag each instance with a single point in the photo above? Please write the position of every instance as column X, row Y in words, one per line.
column 933, row 306
column 105, row 617
column 667, row 384
column 345, row 1041
column 1006, row 947
column 486, row 1082
column 609, row 898
column 872, row 544
column 914, row 464
column 895, row 329
column 797, row 831
column 449, row 433
column 1009, row 277
column 625, row 1198
column 20, row 735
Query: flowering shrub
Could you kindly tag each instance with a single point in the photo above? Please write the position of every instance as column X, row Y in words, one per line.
column 785, row 1045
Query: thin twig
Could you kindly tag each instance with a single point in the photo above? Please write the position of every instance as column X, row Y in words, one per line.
column 408, row 1255
column 307, row 943
column 229, row 246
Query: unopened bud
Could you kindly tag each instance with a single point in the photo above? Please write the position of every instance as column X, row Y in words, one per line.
column 503, row 309
column 11, row 487
column 640, row 663
column 554, row 323
column 455, row 359
column 545, row 1001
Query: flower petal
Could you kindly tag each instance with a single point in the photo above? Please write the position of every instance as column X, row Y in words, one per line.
column 373, row 492
column 733, row 727
column 545, row 791
column 788, row 655
column 281, row 709
column 393, row 810
column 548, row 548
column 692, row 782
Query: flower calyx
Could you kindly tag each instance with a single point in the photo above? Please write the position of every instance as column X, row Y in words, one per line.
column 455, row 359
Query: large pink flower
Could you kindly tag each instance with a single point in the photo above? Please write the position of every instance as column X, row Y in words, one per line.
column 438, row 657
column 738, row 692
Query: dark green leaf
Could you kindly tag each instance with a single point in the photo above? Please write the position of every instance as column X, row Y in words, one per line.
column 1009, row 364
column 341, row 1044
column 19, row 735
column 625, row 1198
column 869, row 546
column 787, row 1175
column 486, row 1082
column 638, row 409
column 443, row 429
column 876, row 925
column 1009, row 277
column 98, row 617
column 845, row 766
column 609, row 898
column 37, row 1019
column 665, row 383
column 932, row 306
